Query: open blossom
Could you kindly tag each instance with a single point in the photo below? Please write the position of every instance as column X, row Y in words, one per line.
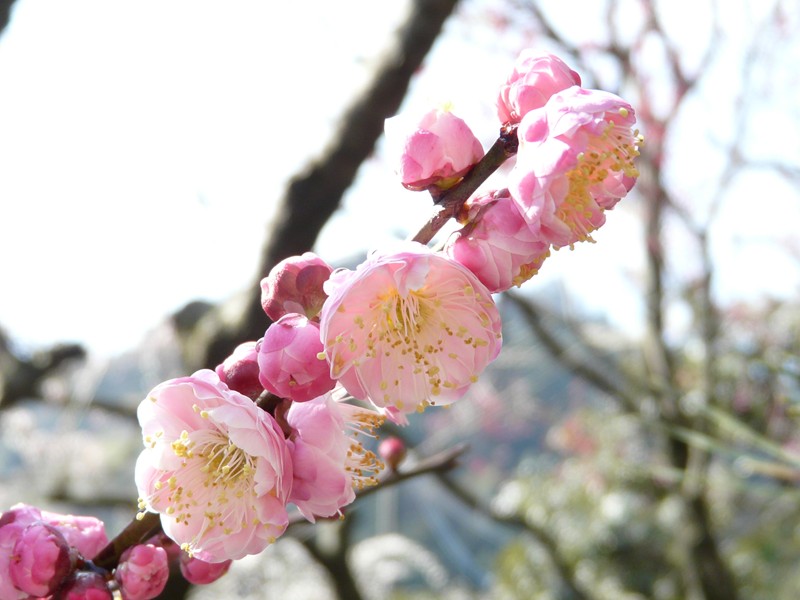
column 215, row 466
column 142, row 572
column 408, row 329
column 534, row 79
column 575, row 160
column 329, row 461
column 437, row 149
column 294, row 285
column 497, row 244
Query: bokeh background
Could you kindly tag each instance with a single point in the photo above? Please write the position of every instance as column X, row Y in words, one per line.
column 638, row 436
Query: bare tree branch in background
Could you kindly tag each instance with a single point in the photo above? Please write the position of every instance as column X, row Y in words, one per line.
column 314, row 195
column 5, row 13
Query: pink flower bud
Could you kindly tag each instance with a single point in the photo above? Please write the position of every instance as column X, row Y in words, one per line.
column 85, row 585
column 200, row 572
column 534, row 79
column 294, row 285
column 143, row 572
column 86, row 534
column 41, row 560
column 497, row 244
column 12, row 523
column 435, row 150
column 289, row 362
column 392, row 450
column 240, row 370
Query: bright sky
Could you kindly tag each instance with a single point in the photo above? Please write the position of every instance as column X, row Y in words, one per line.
column 143, row 145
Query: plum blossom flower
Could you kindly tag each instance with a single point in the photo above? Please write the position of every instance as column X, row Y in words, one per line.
column 408, row 328
column 294, row 285
column 142, row 572
column 215, row 466
column 534, row 79
column 328, row 460
column 575, row 160
column 84, row 533
column 497, row 244
column 288, row 361
column 436, row 149
column 12, row 523
column 41, row 560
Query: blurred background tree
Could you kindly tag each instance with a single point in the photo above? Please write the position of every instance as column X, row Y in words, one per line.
column 637, row 437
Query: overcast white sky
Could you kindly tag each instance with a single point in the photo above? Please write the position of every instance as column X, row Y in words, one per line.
column 143, row 144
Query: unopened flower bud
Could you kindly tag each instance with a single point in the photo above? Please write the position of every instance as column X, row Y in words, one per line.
column 240, row 370
column 393, row 451
column 86, row 534
column 85, row 585
column 40, row 561
column 12, row 523
column 143, row 572
column 435, row 150
column 294, row 285
column 535, row 78
column 289, row 362
column 200, row 572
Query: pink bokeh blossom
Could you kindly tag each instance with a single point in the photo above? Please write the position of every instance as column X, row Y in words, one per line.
column 328, row 460
column 436, row 149
column 408, row 328
column 200, row 572
column 288, row 361
column 575, row 160
column 497, row 244
column 534, row 79
column 215, row 467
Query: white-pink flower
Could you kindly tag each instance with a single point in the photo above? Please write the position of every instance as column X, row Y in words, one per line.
column 534, row 79
column 215, row 467
column 409, row 328
column 575, row 160
column 435, row 149
column 328, row 460
column 497, row 244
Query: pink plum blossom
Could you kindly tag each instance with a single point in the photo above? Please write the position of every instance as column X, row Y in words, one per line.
column 393, row 451
column 328, row 460
column 86, row 534
column 240, row 370
column 289, row 362
column 200, row 572
column 215, row 467
column 575, row 160
column 41, row 560
column 497, row 244
column 408, row 328
column 534, row 79
column 142, row 572
column 12, row 523
column 435, row 150
column 294, row 285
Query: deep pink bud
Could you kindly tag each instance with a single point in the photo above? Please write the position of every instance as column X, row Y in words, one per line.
column 392, row 450
column 288, row 359
column 436, row 149
column 41, row 560
column 200, row 572
column 12, row 523
column 86, row 534
column 240, row 370
column 497, row 244
column 85, row 585
column 143, row 572
column 294, row 285
column 534, row 79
